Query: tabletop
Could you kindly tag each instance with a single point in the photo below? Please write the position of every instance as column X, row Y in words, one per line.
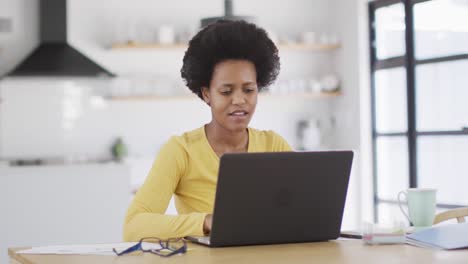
column 338, row 251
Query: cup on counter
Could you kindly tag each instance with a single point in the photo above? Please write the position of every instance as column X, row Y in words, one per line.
column 166, row 34
column 315, row 86
column 324, row 39
column 334, row 39
column 330, row 83
column 421, row 204
column 308, row 37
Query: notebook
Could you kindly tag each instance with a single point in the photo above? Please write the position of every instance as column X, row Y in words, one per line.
column 452, row 236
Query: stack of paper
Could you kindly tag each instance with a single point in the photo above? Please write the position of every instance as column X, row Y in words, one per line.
column 452, row 236
column 96, row 249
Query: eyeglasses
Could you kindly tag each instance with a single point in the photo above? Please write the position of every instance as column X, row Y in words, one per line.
column 163, row 248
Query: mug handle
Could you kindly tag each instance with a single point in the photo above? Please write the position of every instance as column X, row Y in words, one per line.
column 400, row 202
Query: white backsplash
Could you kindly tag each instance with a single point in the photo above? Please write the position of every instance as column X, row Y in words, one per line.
column 66, row 118
column 48, row 117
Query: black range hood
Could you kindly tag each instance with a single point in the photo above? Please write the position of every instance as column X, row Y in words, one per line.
column 228, row 15
column 54, row 56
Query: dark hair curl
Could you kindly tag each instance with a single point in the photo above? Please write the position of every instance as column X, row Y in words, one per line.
column 225, row 40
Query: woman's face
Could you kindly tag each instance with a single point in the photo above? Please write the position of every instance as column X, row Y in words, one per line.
column 232, row 94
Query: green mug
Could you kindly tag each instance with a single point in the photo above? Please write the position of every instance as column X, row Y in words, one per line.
column 421, row 204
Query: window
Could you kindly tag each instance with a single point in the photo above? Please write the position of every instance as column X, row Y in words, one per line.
column 419, row 82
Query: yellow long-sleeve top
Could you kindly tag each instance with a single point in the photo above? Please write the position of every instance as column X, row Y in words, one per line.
column 186, row 167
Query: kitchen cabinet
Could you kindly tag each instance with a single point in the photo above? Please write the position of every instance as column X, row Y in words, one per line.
column 62, row 204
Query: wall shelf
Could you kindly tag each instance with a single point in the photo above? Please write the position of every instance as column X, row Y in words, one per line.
column 305, row 95
column 150, row 97
column 292, row 46
column 309, row 95
column 310, row 47
column 138, row 46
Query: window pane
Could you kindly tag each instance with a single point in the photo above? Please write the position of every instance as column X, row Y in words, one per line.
column 392, row 166
column 390, row 214
column 390, row 100
column 390, row 31
column 443, row 24
column 443, row 164
column 441, row 96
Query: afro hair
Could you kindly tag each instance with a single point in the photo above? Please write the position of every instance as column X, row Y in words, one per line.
column 226, row 40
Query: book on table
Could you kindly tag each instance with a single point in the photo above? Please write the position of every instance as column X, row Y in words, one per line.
column 451, row 236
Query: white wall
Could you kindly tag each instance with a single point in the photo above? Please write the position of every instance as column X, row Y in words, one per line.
column 365, row 124
column 144, row 125
column 352, row 110
column 16, row 45
column 93, row 26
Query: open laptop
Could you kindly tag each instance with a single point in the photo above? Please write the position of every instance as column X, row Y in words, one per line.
column 279, row 197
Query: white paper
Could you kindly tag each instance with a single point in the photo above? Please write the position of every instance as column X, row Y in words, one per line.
column 95, row 249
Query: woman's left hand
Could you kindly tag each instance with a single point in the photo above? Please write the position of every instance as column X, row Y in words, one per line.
column 207, row 224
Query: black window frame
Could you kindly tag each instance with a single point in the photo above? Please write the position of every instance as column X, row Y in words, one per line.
column 409, row 62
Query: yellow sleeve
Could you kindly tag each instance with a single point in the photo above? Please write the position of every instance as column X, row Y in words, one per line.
column 279, row 143
column 145, row 216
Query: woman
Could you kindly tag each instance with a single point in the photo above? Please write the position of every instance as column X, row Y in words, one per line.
column 227, row 63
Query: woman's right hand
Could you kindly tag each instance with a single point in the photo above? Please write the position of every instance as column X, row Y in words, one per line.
column 207, row 224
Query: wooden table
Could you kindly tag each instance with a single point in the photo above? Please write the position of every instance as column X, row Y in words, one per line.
column 341, row 251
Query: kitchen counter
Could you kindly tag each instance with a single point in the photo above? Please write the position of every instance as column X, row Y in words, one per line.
column 62, row 204
column 57, row 161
